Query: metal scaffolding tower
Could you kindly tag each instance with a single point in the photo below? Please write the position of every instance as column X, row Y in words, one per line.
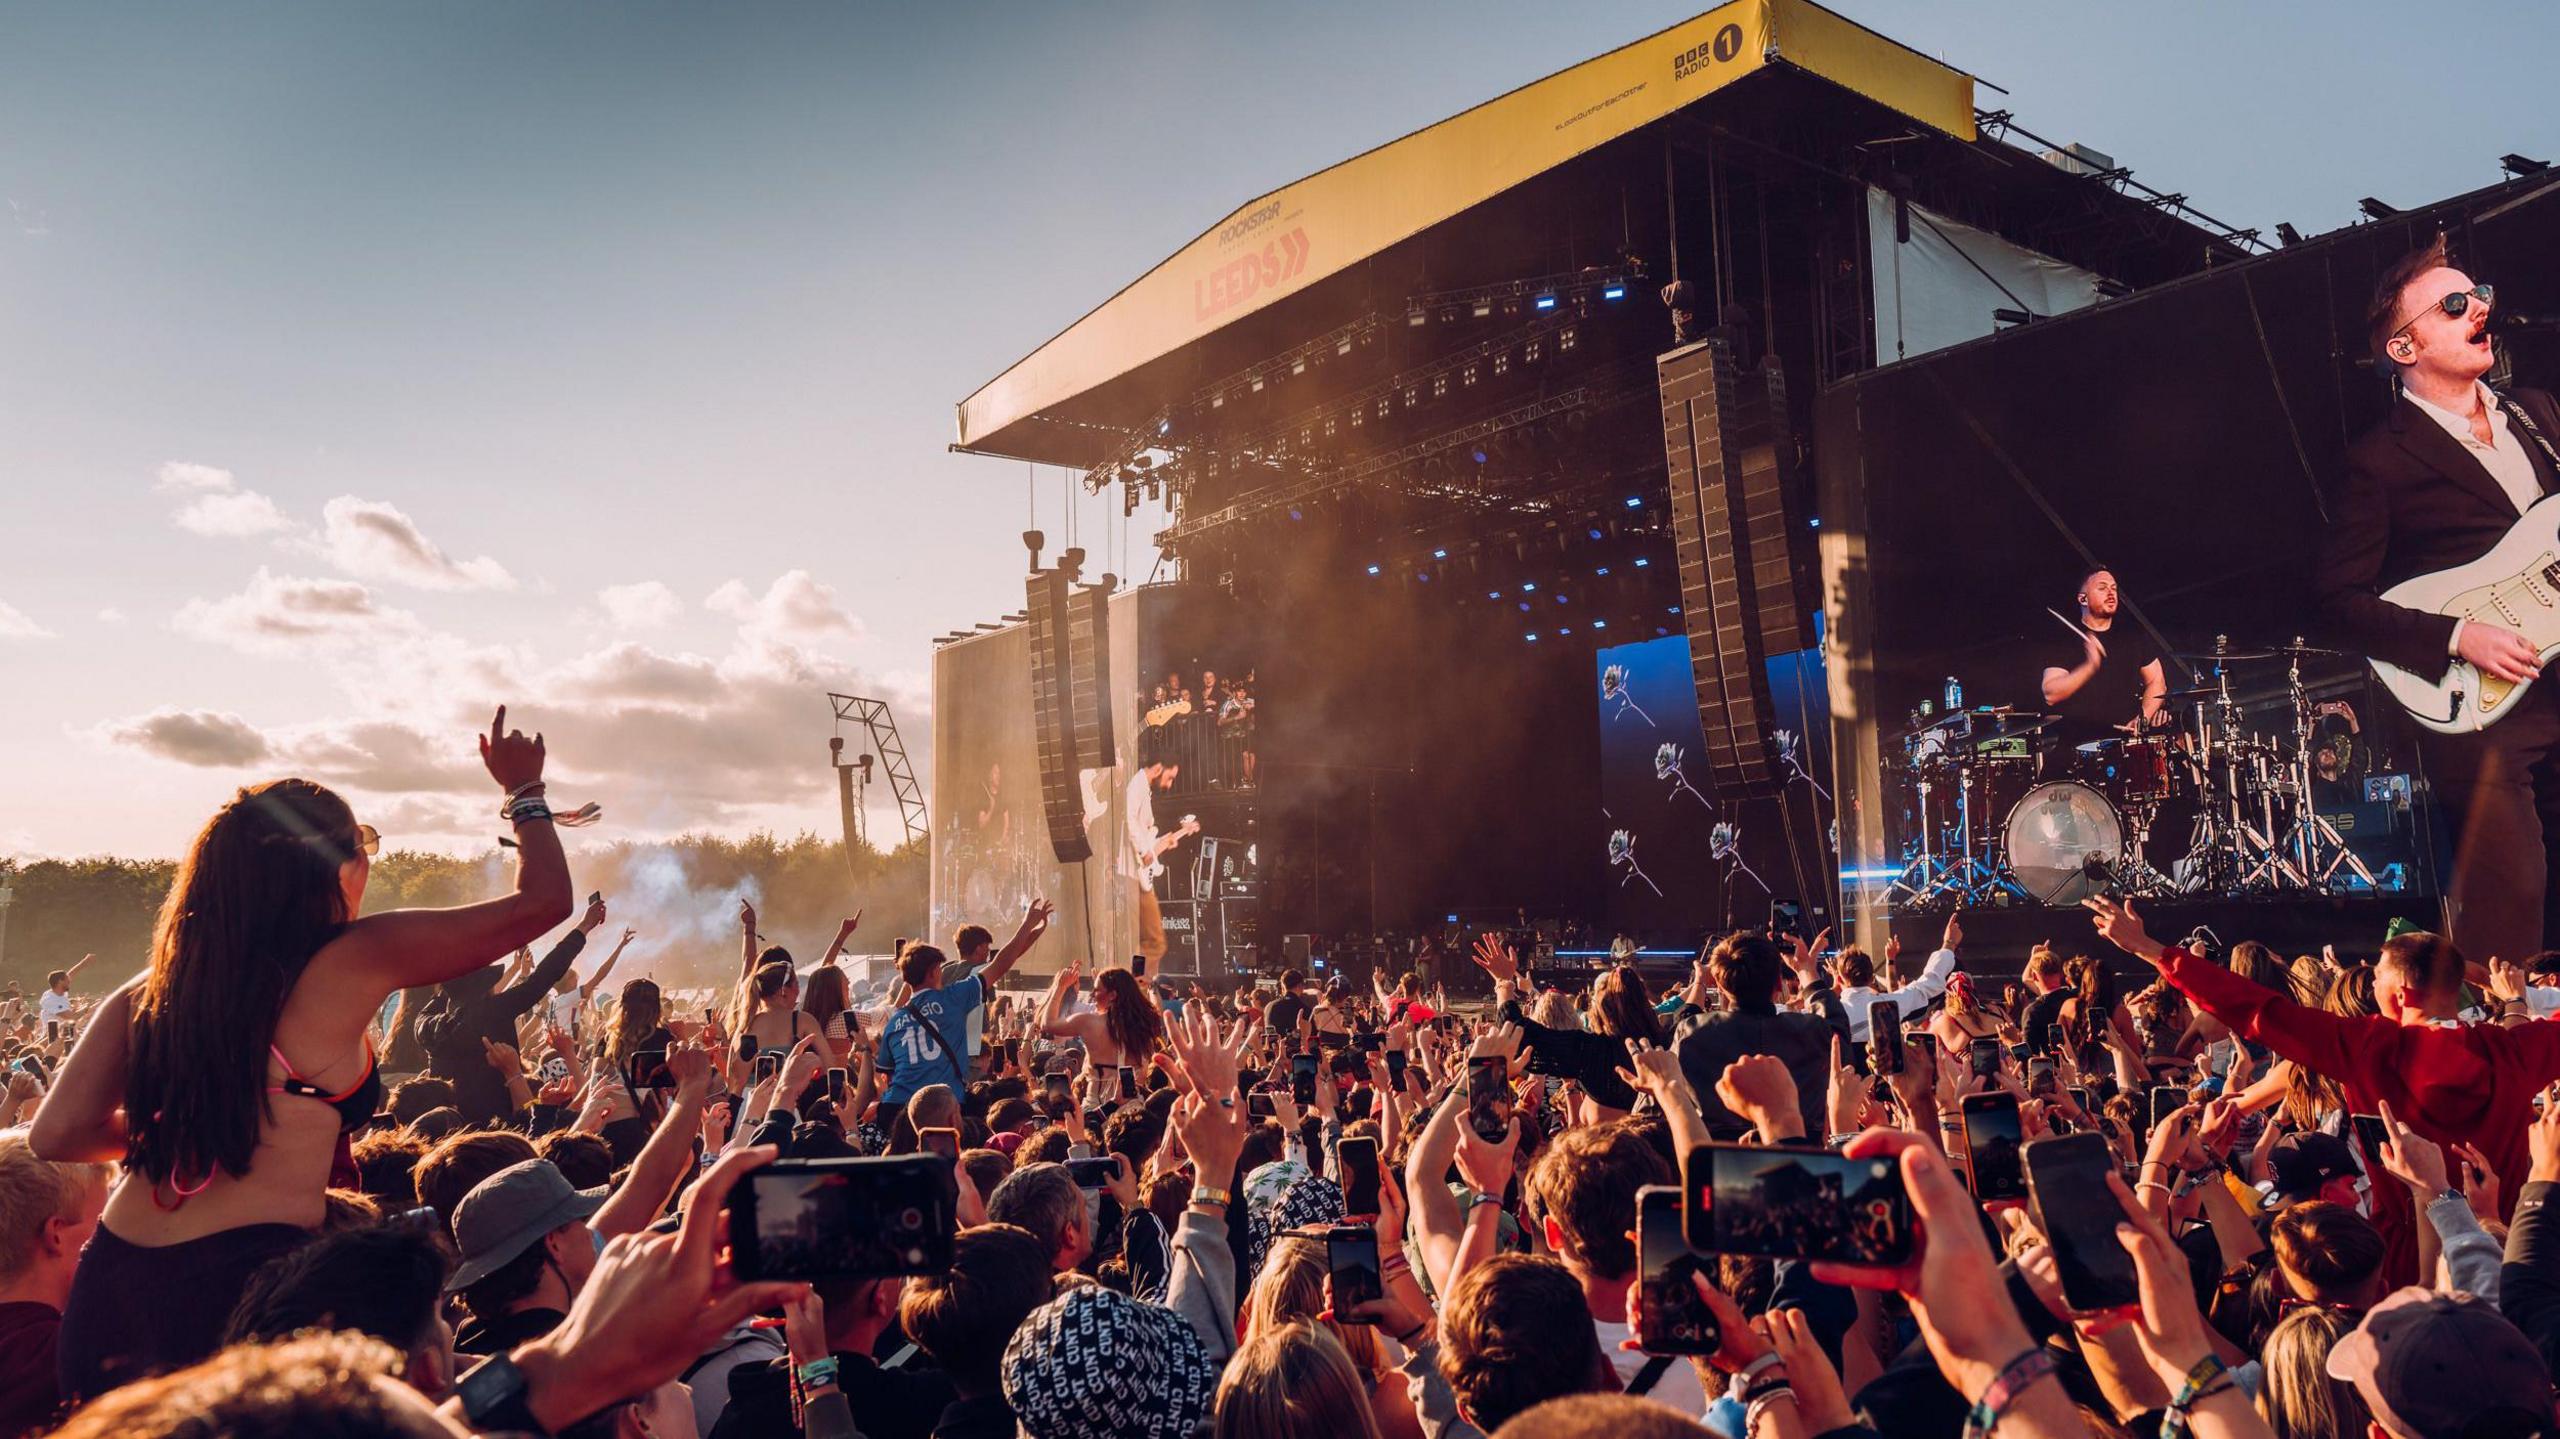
column 882, row 726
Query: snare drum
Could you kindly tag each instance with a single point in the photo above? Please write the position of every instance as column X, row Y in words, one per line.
column 2051, row 835
column 2131, row 771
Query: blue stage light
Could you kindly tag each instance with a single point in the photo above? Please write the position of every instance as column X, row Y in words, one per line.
column 1614, row 292
column 1529, row 587
column 1599, row 624
column 1602, row 572
column 1373, row 569
column 1546, row 302
column 1641, row 562
column 1493, row 594
column 1635, row 502
column 1532, row 637
column 1439, row 554
column 1595, row 534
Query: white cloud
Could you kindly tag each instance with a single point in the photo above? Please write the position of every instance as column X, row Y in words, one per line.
column 647, row 605
column 375, row 540
column 188, row 477
column 15, row 625
column 796, row 609
column 284, row 613
column 194, row 737
column 245, row 515
column 217, row 507
column 111, row 616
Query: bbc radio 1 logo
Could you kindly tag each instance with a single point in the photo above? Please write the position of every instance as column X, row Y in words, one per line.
column 1719, row 51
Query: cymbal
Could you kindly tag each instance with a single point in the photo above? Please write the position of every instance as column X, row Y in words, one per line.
column 2287, row 650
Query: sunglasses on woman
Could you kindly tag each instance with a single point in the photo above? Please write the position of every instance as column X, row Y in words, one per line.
column 368, row 839
column 2455, row 305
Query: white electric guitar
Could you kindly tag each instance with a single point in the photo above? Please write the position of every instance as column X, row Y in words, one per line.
column 2516, row 586
column 1155, row 864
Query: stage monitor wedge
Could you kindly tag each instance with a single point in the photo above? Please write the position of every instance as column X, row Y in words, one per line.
column 1726, row 466
column 1052, row 723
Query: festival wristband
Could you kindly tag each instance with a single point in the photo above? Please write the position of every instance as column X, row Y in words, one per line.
column 2014, row 1379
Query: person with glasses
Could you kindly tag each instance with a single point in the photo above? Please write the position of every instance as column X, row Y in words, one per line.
column 2435, row 486
column 228, row 1076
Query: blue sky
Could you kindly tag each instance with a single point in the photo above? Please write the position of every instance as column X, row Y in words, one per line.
column 359, row 362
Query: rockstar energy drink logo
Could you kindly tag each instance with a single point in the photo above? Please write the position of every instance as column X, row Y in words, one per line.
column 1281, row 259
column 1718, row 51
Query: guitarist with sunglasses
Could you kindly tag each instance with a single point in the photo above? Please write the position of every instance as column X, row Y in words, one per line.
column 2434, row 488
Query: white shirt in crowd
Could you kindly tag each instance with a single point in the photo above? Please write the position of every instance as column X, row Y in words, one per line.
column 1678, row 1386
column 51, row 1006
column 1912, row 998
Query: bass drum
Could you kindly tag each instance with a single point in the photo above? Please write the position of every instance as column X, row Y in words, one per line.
column 2051, row 835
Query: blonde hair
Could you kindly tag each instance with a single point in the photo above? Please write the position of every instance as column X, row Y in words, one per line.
column 2298, row 1399
column 1291, row 1381
column 33, row 1193
column 1290, row 1289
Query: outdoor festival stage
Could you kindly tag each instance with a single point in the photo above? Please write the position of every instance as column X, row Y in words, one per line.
column 1555, row 609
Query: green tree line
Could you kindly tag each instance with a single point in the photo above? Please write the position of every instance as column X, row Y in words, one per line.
column 680, row 894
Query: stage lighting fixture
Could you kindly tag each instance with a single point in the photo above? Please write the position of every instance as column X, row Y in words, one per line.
column 2376, row 210
column 1439, row 554
column 1546, row 302
column 1564, row 629
column 2519, row 166
column 1595, row 534
column 1128, row 501
column 1599, row 624
column 1164, row 426
column 1635, row 502
column 1493, row 594
column 1615, row 290
column 1422, row 575
column 1602, row 572
column 1483, row 308
column 2288, row 234
column 2011, row 317
column 1524, row 607
column 1415, row 317
column 1295, row 513
column 1071, row 558
column 1373, row 569
column 1529, row 588
column 1814, row 523
column 1531, row 637
column 1675, row 609
column 1641, row 562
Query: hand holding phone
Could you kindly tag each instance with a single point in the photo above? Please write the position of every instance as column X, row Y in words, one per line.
column 1994, row 1136
column 2078, row 1212
column 1670, row 1316
column 872, row 1217
column 1351, row 1264
column 1356, row 1160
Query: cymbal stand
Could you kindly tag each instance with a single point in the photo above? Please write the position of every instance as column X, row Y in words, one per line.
column 2312, row 835
column 1975, row 880
column 2213, row 850
column 1923, row 878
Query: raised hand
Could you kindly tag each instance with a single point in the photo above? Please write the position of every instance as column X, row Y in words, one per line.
column 1497, row 959
column 2506, row 978
column 501, row 1057
column 512, row 759
column 2120, row 926
column 849, row 926
column 1952, row 937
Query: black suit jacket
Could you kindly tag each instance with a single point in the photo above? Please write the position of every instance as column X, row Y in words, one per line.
column 2415, row 501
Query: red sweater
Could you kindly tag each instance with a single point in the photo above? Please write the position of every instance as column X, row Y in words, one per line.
column 2467, row 1083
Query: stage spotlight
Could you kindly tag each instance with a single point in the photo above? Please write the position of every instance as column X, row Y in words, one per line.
column 1642, row 562
column 2519, row 166
column 1599, row 624
column 1635, row 502
column 1415, row 317
column 1814, row 523
column 2288, row 234
column 2376, row 210
column 1483, row 308
column 1524, row 607
column 1295, row 514
column 1614, row 290
column 1603, row 572
column 1529, row 588
column 1128, row 501
column 1439, row 554
column 1164, row 426
column 1531, row 637
column 1675, row 609
column 1546, row 302
column 1564, row 629
column 1493, row 594
column 1373, row 569
column 2012, row 317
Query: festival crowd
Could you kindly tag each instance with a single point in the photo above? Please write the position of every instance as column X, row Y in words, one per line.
column 311, row 1173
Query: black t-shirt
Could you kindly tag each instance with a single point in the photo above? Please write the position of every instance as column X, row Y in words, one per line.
column 2112, row 696
column 1284, row 1015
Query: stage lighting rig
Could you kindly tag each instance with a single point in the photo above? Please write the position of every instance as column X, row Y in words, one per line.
column 2520, row 167
column 2376, row 210
column 2288, row 234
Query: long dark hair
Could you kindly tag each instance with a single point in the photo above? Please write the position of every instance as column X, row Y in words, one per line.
column 256, row 896
column 828, row 994
column 1621, row 1007
column 638, row 1016
column 1134, row 1022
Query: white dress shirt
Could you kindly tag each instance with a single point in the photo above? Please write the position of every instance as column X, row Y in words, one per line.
column 2504, row 458
column 1912, row 998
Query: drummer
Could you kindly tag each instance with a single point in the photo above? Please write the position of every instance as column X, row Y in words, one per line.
column 2100, row 681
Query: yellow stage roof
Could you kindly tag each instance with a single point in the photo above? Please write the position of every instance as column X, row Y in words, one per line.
column 1283, row 242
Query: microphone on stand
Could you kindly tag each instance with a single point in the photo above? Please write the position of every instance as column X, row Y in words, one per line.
column 2522, row 320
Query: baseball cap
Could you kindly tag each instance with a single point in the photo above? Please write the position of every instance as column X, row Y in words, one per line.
column 2434, row 1366
column 2302, row 1162
column 509, row 1212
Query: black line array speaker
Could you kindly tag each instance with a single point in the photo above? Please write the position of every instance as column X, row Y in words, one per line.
column 1089, row 674
column 1053, row 728
column 1731, row 462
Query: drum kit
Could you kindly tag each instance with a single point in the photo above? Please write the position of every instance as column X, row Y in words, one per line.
column 1996, row 811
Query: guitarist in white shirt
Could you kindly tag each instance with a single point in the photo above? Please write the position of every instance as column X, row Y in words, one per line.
column 2436, row 486
column 1144, row 852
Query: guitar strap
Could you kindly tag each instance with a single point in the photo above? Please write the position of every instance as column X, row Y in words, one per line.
column 2516, row 413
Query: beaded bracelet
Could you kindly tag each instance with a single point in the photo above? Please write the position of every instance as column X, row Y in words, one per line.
column 2210, row 1376
column 2014, row 1379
